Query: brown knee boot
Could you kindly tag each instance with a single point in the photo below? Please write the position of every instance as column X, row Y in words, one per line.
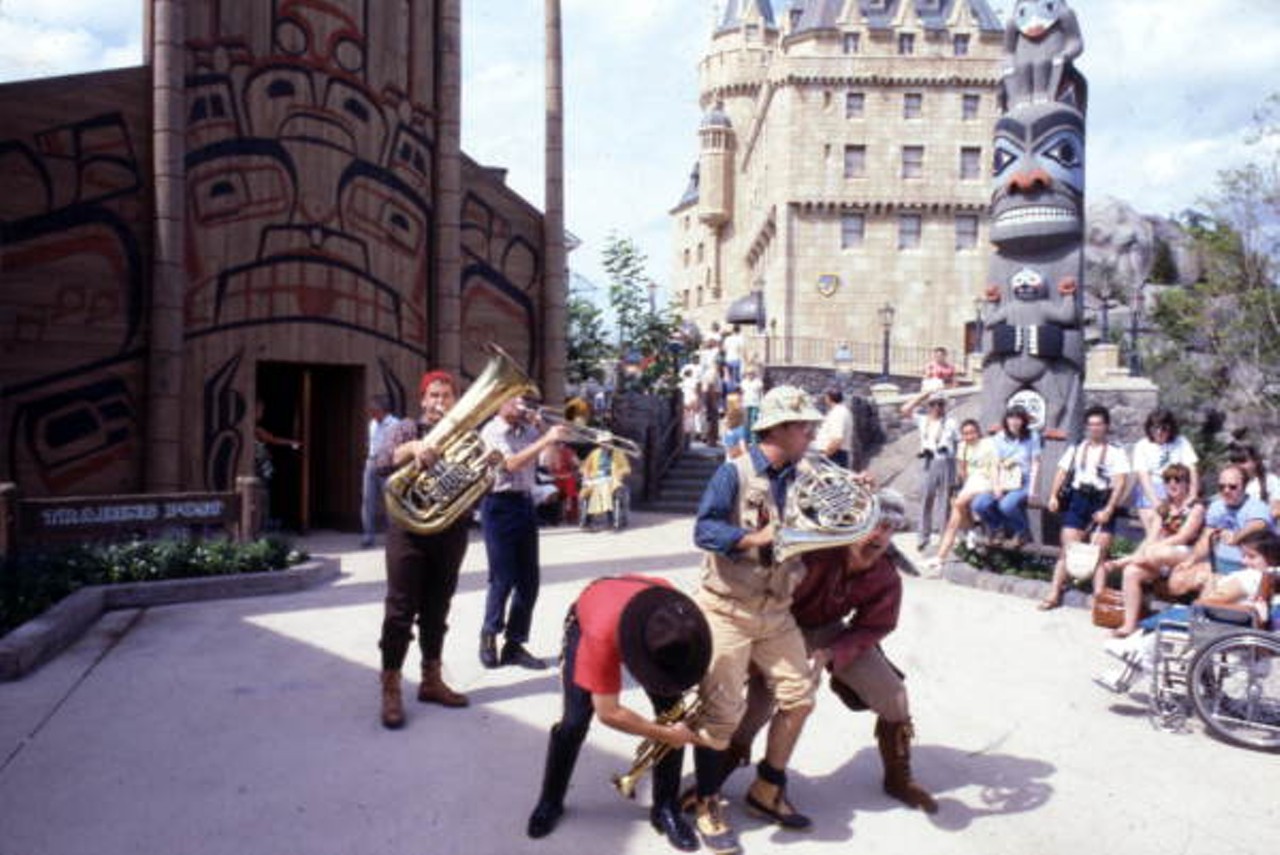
column 433, row 689
column 895, row 751
column 392, row 707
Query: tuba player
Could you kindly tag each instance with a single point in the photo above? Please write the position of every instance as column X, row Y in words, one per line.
column 422, row 569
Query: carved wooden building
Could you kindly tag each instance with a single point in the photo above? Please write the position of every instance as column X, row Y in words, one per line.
column 274, row 208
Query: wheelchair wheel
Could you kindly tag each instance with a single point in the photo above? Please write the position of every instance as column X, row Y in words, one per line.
column 1235, row 688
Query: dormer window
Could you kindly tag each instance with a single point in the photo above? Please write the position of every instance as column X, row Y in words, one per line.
column 852, row 42
column 960, row 44
column 751, row 31
column 906, row 44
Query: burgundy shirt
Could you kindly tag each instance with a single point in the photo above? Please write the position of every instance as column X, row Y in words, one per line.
column 827, row 595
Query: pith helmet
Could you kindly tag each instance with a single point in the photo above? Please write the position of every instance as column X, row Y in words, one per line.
column 783, row 404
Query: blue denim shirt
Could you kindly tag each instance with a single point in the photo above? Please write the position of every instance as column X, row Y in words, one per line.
column 713, row 531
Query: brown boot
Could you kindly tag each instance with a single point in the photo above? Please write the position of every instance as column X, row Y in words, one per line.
column 433, row 689
column 392, row 706
column 895, row 751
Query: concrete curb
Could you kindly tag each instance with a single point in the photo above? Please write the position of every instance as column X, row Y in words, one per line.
column 1030, row 589
column 46, row 635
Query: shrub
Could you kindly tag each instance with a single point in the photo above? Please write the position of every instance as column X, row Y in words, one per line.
column 33, row 580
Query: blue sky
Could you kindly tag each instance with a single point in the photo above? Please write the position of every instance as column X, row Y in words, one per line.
column 1173, row 88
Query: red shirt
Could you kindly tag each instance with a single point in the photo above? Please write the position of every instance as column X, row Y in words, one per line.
column 828, row 593
column 598, row 665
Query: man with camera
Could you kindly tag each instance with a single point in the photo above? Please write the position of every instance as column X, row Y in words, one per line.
column 1087, row 487
column 939, row 437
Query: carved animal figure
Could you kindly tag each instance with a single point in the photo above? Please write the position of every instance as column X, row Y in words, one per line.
column 1041, row 41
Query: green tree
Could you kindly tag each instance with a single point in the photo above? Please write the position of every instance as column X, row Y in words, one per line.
column 1217, row 343
column 645, row 331
column 588, row 346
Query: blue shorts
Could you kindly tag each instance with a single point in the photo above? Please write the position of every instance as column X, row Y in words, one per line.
column 1080, row 510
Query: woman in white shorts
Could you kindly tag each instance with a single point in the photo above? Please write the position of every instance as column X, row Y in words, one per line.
column 1181, row 516
column 975, row 472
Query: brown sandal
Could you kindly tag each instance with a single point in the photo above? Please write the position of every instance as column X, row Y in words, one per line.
column 1048, row 604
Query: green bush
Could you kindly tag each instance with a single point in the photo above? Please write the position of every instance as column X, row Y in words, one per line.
column 31, row 581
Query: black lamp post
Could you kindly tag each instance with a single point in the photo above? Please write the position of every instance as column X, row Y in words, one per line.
column 885, row 313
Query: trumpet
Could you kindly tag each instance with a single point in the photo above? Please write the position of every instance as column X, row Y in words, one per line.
column 651, row 751
column 575, row 432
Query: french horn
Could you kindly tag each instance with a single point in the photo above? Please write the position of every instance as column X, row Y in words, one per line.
column 827, row 506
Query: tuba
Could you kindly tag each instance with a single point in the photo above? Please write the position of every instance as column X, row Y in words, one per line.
column 827, row 506
column 427, row 502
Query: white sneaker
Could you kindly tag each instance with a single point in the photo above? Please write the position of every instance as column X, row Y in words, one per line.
column 971, row 538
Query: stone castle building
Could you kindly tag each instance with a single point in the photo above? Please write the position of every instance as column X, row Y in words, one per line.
column 844, row 164
column 272, row 210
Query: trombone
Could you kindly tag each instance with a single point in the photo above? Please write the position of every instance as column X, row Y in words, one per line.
column 581, row 433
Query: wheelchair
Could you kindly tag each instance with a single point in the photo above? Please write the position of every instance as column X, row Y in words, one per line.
column 1214, row 664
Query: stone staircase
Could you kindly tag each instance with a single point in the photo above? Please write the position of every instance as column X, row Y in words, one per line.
column 681, row 488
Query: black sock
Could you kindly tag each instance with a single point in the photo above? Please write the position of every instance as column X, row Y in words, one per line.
column 706, row 767
column 777, row 777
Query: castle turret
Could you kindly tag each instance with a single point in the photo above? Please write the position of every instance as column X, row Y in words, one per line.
column 715, row 167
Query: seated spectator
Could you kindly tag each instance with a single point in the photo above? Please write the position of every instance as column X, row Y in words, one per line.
column 1003, row 510
column 735, row 429
column 604, row 475
column 1251, row 590
column 1259, row 484
column 1231, row 516
column 975, row 471
column 1162, row 446
column 1095, row 474
column 1181, row 516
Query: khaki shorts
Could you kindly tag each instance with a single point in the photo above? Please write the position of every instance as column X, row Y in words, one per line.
column 774, row 645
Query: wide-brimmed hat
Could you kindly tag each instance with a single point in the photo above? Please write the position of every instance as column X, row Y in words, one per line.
column 893, row 509
column 783, row 404
column 665, row 640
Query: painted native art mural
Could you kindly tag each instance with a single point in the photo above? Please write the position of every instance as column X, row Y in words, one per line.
column 1033, row 339
column 73, row 303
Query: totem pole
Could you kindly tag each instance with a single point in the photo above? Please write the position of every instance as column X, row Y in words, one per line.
column 1033, row 323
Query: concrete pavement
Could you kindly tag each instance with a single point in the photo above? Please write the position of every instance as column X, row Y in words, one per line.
column 250, row 726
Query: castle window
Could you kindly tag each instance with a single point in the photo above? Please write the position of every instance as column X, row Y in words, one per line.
column 852, row 42
column 912, row 105
column 700, row 253
column 906, row 44
column 909, row 226
column 913, row 161
column 686, row 257
column 969, row 104
column 970, row 164
column 855, row 161
column 853, row 228
column 751, row 31
column 855, row 103
column 960, row 44
column 966, row 231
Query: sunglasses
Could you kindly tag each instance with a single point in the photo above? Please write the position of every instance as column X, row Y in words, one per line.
column 1177, row 479
column 1230, row 486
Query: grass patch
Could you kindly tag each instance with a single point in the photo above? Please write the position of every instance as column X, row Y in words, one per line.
column 33, row 580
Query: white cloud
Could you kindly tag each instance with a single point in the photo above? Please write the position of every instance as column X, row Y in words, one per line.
column 43, row 39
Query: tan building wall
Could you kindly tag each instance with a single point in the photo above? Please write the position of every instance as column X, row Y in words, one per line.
column 800, row 108
column 299, row 157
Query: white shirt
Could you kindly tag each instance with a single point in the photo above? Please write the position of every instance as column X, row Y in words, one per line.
column 752, row 391
column 1095, row 465
column 1153, row 458
column 1254, row 488
column 838, row 423
column 937, row 434
column 377, row 430
column 732, row 345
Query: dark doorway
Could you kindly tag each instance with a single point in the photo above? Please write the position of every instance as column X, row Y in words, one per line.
column 317, row 485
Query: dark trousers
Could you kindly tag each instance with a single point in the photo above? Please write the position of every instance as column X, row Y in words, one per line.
column 422, row 575
column 575, row 720
column 511, row 542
